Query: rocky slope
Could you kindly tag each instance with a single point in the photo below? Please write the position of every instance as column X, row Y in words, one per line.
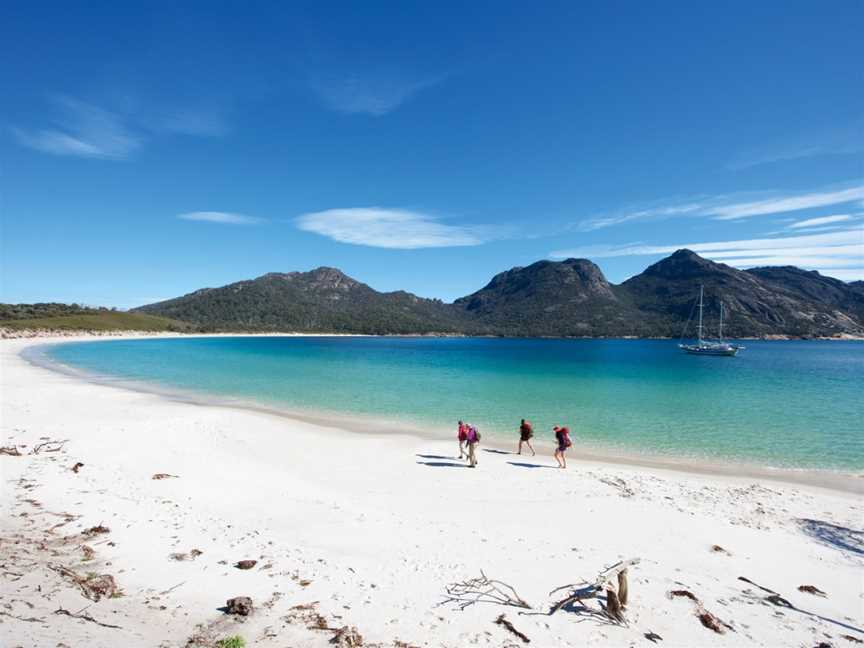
column 547, row 298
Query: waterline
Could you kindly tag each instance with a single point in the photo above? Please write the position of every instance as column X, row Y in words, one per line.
column 586, row 450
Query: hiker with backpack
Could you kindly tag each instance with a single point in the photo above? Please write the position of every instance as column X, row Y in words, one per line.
column 562, row 435
column 525, row 434
column 473, row 440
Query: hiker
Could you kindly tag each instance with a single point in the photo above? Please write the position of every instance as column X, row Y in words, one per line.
column 462, row 435
column 525, row 434
column 562, row 434
column 473, row 440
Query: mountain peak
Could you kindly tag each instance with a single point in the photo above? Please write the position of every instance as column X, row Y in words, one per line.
column 320, row 278
column 684, row 263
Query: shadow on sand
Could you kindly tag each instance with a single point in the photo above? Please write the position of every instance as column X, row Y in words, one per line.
column 442, row 464
column 779, row 601
column 522, row 464
column 425, row 456
column 495, row 451
column 834, row 535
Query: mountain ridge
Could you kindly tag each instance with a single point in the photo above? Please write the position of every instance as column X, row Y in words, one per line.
column 569, row 298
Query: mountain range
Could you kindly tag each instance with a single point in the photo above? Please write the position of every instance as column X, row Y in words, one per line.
column 547, row 298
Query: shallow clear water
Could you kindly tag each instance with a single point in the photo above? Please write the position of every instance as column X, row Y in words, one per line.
column 785, row 404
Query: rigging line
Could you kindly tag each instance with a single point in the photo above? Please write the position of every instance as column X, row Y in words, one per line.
column 687, row 323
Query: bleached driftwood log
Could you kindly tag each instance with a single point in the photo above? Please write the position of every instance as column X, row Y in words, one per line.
column 615, row 601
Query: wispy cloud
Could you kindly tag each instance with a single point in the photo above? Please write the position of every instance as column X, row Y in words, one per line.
column 200, row 122
column 83, row 130
column 374, row 95
column 389, row 228
column 822, row 220
column 729, row 207
column 824, row 252
column 837, row 141
column 224, row 218
column 789, row 203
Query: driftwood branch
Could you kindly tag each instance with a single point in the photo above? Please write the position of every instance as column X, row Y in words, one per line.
column 602, row 578
column 483, row 590
column 85, row 617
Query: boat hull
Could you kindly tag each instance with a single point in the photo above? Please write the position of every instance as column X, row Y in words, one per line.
column 726, row 350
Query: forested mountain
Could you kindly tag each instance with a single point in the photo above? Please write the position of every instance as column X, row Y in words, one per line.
column 757, row 302
column 547, row 298
column 324, row 299
column 567, row 298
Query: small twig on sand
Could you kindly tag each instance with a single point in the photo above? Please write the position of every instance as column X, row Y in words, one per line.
column 502, row 621
column 49, row 446
column 85, row 617
column 11, row 451
column 705, row 617
column 812, row 589
column 171, row 589
column 20, row 618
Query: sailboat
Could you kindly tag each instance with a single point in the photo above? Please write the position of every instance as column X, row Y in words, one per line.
column 717, row 347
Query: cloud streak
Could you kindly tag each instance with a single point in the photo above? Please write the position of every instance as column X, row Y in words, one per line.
column 397, row 229
column 85, row 131
column 223, row 218
column 729, row 207
column 824, row 252
column 822, row 220
column 364, row 95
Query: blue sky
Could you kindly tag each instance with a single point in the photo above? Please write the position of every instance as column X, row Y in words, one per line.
column 145, row 153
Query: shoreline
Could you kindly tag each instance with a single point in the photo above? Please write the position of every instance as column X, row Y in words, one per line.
column 846, row 481
column 19, row 333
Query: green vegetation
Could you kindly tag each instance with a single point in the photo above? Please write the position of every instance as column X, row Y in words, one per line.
column 323, row 300
column 33, row 311
column 231, row 642
column 100, row 320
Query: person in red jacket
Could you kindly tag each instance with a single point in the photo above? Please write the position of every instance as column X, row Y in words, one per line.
column 473, row 441
column 462, row 435
column 562, row 435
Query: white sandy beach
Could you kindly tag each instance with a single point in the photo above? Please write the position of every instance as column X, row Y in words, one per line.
column 367, row 531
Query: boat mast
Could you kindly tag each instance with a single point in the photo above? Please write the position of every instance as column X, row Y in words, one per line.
column 699, row 328
column 721, row 321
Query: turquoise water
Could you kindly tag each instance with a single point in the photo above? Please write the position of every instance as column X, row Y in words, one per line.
column 784, row 404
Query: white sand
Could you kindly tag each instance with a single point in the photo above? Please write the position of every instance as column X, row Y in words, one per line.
column 374, row 532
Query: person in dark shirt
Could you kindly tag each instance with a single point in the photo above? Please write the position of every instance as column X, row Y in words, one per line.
column 525, row 434
column 562, row 435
